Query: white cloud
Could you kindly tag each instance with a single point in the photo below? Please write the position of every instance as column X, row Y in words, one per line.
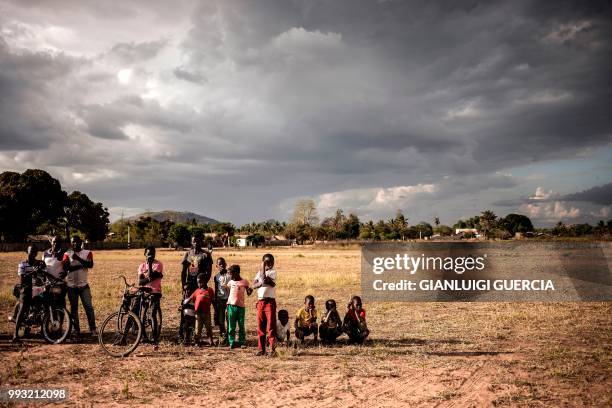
column 298, row 40
column 374, row 201
column 467, row 109
column 548, row 212
column 569, row 31
column 541, row 194
column 604, row 212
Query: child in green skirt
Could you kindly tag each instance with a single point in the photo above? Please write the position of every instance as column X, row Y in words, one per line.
column 235, row 306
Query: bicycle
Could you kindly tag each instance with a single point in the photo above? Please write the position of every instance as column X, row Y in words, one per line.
column 136, row 321
column 55, row 321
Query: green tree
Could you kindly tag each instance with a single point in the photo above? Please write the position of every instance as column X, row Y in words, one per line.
column 351, row 227
column 84, row 215
column 444, row 230
column 180, row 235
column 256, row 239
column 27, row 201
column 487, row 222
column 514, row 223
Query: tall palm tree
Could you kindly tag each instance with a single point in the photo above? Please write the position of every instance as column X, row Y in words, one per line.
column 488, row 220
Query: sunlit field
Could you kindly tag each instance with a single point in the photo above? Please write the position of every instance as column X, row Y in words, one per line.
column 420, row 354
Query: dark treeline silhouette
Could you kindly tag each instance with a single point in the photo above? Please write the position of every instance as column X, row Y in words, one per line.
column 33, row 202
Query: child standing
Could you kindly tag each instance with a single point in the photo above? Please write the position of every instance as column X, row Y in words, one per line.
column 331, row 324
column 306, row 320
column 150, row 274
column 265, row 283
column 355, row 322
column 221, row 295
column 203, row 297
column 235, row 306
column 283, row 330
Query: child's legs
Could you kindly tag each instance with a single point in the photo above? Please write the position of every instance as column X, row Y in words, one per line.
column 271, row 322
column 301, row 332
column 314, row 329
column 261, row 325
column 73, row 298
column 221, row 310
column 232, row 318
column 199, row 324
column 25, row 298
column 86, row 301
column 215, row 311
column 242, row 335
column 208, row 324
column 324, row 332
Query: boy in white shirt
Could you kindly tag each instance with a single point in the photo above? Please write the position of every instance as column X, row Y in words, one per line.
column 265, row 283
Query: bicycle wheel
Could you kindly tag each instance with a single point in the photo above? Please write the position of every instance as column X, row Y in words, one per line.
column 56, row 325
column 120, row 333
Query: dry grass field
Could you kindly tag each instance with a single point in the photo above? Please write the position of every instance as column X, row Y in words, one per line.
column 420, row 354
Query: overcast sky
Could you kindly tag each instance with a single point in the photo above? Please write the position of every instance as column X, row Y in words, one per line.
column 234, row 109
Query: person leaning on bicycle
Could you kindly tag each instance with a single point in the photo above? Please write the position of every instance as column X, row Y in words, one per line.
column 150, row 274
column 196, row 261
column 25, row 271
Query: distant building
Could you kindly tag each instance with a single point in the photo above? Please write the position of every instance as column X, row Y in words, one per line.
column 463, row 231
column 241, row 242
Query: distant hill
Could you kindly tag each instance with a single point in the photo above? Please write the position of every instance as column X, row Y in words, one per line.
column 178, row 217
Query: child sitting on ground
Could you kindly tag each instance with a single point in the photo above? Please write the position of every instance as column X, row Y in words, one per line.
column 355, row 322
column 203, row 297
column 236, row 307
column 306, row 320
column 283, row 331
column 331, row 324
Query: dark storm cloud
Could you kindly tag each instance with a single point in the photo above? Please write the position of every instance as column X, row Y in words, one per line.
column 26, row 86
column 107, row 120
column 190, row 76
column 507, row 80
column 597, row 195
column 307, row 98
column 137, row 52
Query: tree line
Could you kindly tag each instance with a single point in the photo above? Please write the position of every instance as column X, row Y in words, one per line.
column 33, row 202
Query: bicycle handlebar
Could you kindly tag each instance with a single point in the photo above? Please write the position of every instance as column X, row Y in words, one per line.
column 127, row 285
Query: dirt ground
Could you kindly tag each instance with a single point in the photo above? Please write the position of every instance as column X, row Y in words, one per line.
column 420, row 354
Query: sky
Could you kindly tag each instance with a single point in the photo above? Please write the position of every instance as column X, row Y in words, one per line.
column 236, row 109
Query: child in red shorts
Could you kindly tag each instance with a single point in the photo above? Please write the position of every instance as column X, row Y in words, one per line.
column 203, row 297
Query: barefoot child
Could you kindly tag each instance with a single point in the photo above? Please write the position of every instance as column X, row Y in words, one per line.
column 331, row 324
column 355, row 322
column 265, row 283
column 203, row 297
column 306, row 320
column 235, row 306
column 283, row 328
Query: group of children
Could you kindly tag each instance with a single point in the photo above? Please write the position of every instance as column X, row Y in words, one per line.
column 227, row 298
column 228, row 301
column 331, row 326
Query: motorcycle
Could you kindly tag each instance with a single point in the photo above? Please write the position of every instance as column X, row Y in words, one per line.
column 54, row 321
